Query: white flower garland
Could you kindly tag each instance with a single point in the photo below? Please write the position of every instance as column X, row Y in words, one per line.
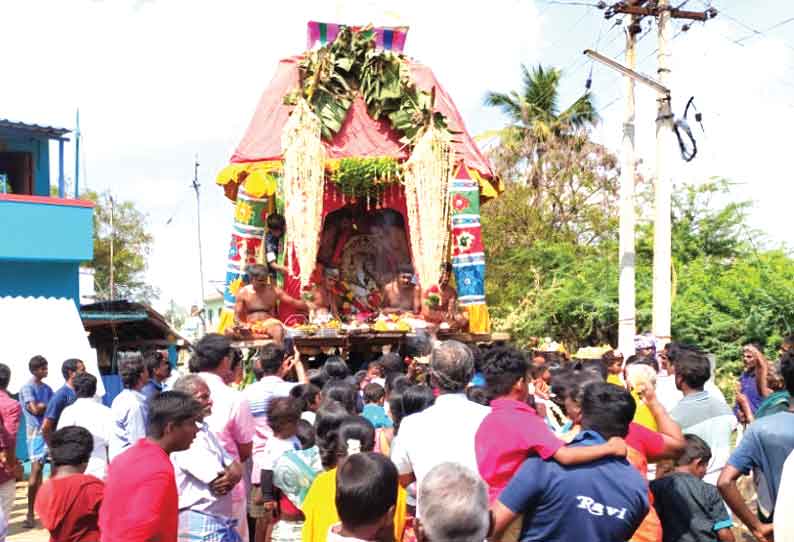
column 427, row 177
column 303, row 181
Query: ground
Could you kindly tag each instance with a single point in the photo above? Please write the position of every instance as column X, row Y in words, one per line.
column 15, row 531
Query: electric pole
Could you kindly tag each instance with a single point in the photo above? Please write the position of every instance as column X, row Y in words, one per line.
column 626, row 289
column 196, row 187
column 77, row 156
column 663, row 186
column 112, row 235
column 663, row 183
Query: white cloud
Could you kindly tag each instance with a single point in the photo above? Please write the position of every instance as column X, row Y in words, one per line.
column 159, row 81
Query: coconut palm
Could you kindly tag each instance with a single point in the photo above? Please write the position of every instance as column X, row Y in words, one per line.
column 536, row 121
column 534, row 110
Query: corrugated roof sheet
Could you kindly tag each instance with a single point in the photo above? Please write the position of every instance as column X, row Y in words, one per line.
column 50, row 131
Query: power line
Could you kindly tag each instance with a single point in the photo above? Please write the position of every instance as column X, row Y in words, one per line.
column 754, row 31
column 773, row 27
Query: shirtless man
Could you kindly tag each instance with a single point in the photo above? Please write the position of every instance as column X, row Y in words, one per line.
column 325, row 300
column 257, row 302
column 401, row 295
column 447, row 310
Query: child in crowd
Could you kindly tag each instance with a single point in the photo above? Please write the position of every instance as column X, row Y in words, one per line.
column 293, row 473
column 374, row 397
column 690, row 509
column 310, row 397
column 375, row 374
column 613, row 360
column 68, row 503
column 541, row 377
column 283, row 415
column 366, row 495
column 477, row 394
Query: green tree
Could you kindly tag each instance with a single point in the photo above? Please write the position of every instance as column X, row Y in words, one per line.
column 175, row 315
column 536, row 124
column 727, row 292
column 131, row 248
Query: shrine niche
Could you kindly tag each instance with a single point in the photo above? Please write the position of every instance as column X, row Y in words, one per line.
column 367, row 247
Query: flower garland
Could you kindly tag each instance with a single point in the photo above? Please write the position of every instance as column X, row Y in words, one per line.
column 427, row 178
column 303, row 181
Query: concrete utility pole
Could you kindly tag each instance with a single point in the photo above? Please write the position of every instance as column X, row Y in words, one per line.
column 626, row 290
column 112, row 236
column 665, row 143
column 663, row 187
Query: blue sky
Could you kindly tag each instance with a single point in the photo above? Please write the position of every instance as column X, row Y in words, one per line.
column 158, row 82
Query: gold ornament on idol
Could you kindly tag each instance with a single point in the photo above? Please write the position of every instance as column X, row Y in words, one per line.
column 303, row 181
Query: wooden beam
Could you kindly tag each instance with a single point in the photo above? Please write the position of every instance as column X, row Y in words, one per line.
column 144, row 342
column 653, row 12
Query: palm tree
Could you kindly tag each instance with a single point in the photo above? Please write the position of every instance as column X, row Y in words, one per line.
column 535, row 117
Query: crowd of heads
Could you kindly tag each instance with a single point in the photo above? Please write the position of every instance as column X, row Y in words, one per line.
column 454, row 503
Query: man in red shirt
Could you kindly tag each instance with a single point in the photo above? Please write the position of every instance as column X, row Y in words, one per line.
column 513, row 430
column 10, row 412
column 141, row 501
column 68, row 503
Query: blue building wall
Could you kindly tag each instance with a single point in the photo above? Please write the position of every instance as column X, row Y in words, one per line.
column 39, row 147
column 40, row 279
column 45, row 229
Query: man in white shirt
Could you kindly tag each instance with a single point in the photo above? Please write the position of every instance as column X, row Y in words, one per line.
column 784, row 523
column 701, row 412
column 90, row 414
column 270, row 366
column 129, row 406
column 230, row 421
column 445, row 431
column 205, row 477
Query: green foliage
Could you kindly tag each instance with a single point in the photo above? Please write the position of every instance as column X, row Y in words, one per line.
column 363, row 177
column 534, row 111
column 333, row 75
column 131, row 248
column 727, row 294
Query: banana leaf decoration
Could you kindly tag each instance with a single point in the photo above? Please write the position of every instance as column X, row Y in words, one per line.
column 333, row 75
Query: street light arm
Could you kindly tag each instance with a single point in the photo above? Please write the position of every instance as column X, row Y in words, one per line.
column 617, row 66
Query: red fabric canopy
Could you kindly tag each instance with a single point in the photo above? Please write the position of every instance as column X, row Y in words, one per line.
column 360, row 135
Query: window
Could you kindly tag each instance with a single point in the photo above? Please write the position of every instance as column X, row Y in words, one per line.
column 17, row 167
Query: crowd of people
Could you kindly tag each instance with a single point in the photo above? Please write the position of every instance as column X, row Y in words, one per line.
column 447, row 442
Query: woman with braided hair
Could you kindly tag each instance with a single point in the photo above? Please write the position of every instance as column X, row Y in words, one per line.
column 354, row 435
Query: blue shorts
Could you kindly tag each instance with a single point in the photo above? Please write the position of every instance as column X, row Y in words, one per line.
column 37, row 448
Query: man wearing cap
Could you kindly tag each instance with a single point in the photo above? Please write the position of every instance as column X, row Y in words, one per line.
column 445, row 431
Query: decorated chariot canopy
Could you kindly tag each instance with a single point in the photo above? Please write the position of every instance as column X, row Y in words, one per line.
column 368, row 159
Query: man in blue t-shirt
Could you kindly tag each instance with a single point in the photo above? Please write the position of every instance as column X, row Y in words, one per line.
column 34, row 397
column 602, row 501
column 762, row 450
column 64, row 397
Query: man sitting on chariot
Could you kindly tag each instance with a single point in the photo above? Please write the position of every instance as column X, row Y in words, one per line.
column 401, row 295
column 441, row 304
column 257, row 303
